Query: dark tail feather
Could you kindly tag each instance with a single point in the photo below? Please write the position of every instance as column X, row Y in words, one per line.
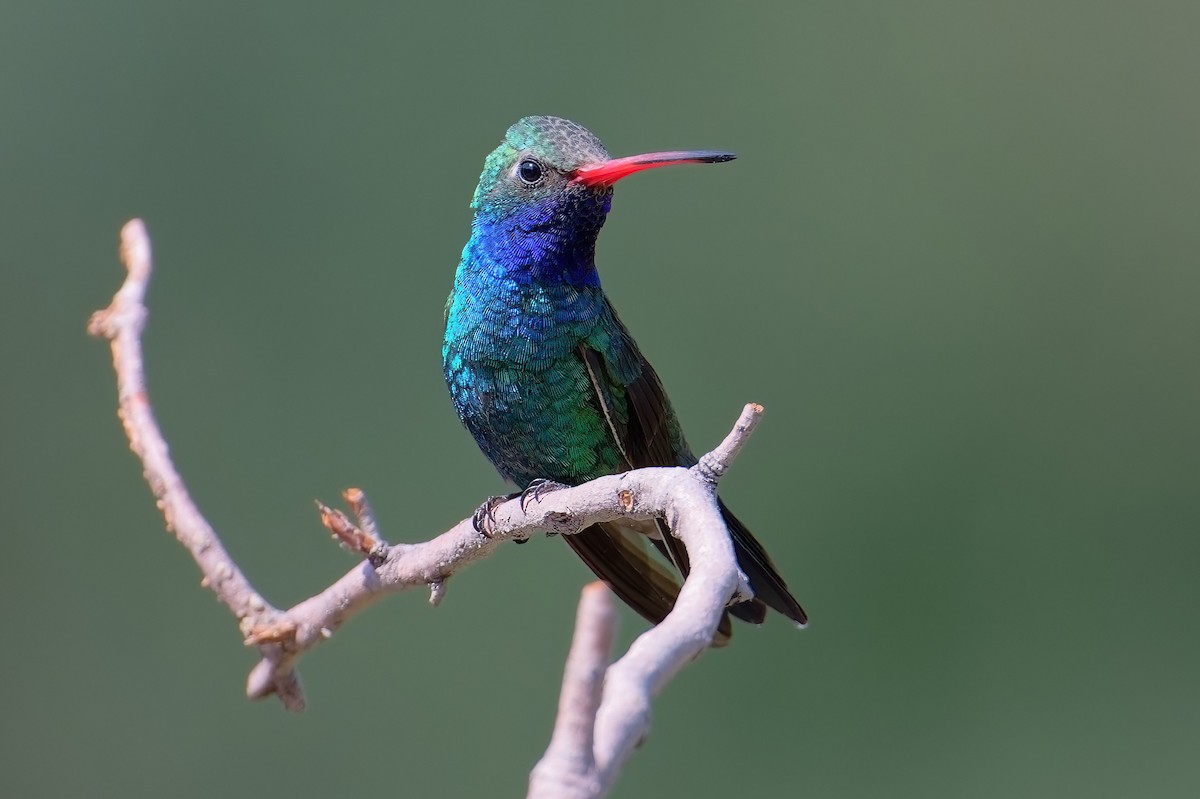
column 752, row 610
column 768, row 586
column 618, row 556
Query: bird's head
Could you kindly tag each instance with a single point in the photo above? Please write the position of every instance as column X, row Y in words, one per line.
column 556, row 172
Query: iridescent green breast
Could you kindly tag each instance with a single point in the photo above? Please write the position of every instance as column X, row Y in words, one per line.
column 511, row 361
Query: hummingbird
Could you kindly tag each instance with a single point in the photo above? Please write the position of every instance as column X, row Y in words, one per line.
column 548, row 380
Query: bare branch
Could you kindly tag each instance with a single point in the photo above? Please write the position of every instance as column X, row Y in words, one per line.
column 713, row 465
column 603, row 714
column 622, row 718
column 569, row 765
column 121, row 323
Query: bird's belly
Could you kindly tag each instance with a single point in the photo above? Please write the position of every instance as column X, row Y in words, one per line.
column 537, row 420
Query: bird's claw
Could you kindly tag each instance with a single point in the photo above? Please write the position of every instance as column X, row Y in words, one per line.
column 484, row 518
column 536, row 490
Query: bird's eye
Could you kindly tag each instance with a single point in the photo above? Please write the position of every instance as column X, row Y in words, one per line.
column 529, row 171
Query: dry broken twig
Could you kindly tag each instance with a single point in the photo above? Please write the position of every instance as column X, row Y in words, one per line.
column 604, row 710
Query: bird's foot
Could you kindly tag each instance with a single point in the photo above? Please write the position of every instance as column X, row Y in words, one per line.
column 536, row 490
column 484, row 518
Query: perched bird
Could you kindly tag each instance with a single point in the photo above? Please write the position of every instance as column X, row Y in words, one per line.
column 546, row 377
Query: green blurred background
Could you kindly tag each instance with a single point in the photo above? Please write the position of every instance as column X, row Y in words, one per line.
column 957, row 261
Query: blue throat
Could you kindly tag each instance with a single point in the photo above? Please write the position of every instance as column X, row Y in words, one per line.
column 539, row 244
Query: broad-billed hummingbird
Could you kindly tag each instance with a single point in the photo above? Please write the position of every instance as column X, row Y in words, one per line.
column 546, row 377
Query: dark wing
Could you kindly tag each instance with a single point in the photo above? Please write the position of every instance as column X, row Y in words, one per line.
column 633, row 403
column 644, row 428
column 651, row 437
column 616, row 551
